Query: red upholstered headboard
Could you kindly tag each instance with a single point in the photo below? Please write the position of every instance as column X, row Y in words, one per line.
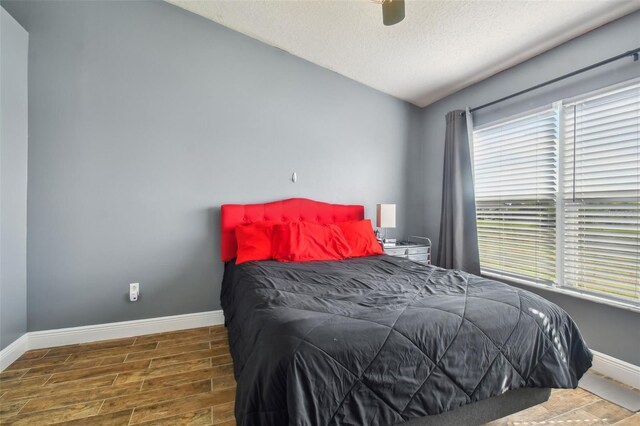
column 293, row 209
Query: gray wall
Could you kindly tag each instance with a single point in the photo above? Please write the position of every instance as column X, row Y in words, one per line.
column 14, row 44
column 424, row 185
column 144, row 119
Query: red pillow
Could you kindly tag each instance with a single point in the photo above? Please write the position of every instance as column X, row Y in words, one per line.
column 360, row 237
column 254, row 241
column 303, row 241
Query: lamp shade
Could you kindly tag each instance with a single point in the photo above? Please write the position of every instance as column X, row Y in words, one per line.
column 386, row 215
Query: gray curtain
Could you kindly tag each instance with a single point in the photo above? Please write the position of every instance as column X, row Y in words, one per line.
column 458, row 244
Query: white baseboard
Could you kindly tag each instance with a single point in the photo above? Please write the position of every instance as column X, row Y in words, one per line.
column 118, row 330
column 13, row 351
column 617, row 369
column 114, row 330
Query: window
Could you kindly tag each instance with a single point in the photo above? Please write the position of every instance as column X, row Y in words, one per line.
column 515, row 176
column 558, row 194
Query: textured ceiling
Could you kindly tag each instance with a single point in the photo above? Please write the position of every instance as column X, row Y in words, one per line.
column 440, row 47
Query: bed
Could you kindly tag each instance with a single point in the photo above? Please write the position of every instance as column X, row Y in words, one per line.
column 382, row 340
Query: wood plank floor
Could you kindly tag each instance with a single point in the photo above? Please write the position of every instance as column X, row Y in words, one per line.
column 183, row 377
column 186, row 378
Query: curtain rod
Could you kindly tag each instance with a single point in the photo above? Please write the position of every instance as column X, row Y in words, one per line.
column 635, row 53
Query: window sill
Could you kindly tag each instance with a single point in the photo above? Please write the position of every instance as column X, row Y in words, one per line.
column 569, row 292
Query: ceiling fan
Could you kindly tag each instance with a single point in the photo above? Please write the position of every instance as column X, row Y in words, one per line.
column 392, row 11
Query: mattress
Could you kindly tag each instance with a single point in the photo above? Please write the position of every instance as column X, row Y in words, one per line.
column 381, row 340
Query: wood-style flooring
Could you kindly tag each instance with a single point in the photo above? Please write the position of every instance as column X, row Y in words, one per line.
column 175, row 378
column 186, row 378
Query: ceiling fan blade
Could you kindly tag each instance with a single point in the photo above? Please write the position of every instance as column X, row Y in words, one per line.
column 392, row 11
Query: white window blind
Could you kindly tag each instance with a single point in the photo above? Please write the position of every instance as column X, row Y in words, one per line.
column 558, row 194
column 601, row 193
column 515, row 172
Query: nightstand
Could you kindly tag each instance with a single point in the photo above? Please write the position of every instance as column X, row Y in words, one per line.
column 417, row 249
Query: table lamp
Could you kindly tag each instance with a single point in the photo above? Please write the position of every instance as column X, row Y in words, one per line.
column 386, row 218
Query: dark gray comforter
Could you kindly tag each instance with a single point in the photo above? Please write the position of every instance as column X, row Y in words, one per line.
column 380, row 340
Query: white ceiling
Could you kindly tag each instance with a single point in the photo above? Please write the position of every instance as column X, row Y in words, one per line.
column 440, row 47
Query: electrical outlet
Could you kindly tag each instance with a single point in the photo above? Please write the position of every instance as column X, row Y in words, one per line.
column 134, row 291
